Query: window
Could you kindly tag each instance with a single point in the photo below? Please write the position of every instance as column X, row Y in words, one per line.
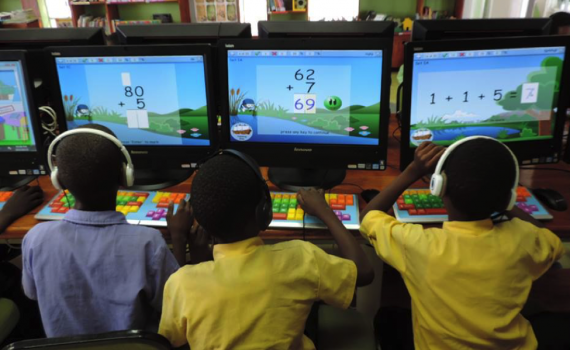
column 253, row 11
column 57, row 9
column 333, row 10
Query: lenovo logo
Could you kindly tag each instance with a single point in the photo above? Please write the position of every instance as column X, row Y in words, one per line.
column 302, row 149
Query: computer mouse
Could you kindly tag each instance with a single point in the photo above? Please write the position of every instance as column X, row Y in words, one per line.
column 369, row 194
column 551, row 199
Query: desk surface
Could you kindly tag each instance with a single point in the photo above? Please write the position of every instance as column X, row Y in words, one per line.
column 557, row 180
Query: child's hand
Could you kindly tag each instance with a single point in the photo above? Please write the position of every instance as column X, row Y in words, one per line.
column 425, row 159
column 22, row 201
column 313, row 201
column 199, row 245
column 180, row 224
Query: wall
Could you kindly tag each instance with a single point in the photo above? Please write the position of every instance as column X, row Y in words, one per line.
column 474, row 9
column 145, row 11
column 504, row 9
column 10, row 5
column 403, row 8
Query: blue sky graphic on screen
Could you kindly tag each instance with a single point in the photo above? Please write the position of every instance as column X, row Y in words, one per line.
column 508, row 94
column 305, row 96
column 158, row 100
column 16, row 132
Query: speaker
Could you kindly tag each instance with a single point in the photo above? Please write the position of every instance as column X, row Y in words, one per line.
column 300, row 5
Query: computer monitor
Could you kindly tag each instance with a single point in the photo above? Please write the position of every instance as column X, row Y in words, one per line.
column 323, row 29
column 186, row 33
column 448, row 29
column 20, row 149
column 307, row 104
column 26, row 39
column 156, row 99
column 512, row 89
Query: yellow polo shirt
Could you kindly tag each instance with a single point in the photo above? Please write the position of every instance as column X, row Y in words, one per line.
column 468, row 280
column 253, row 296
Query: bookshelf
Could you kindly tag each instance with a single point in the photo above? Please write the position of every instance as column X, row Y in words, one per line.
column 111, row 10
column 286, row 10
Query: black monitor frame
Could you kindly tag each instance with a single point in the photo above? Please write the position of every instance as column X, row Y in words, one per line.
column 527, row 152
column 28, row 161
column 326, row 29
column 446, row 29
column 182, row 33
column 157, row 160
column 27, row 39
column 314, row 156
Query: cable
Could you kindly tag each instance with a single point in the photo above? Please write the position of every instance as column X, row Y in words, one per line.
column 349, row 184
column 52, row 126
column 548, row 169
column 394, row 134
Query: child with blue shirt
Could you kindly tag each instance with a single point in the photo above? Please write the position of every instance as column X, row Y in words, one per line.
column 93, row 272
column 468, row 280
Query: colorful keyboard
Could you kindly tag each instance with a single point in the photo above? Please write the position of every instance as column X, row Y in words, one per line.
column 4, row 196
column 420, row 206
column 287, row 213
column 140, row 208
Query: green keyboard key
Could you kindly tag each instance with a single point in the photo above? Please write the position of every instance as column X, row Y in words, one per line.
column 284, row 210
column 408, row 201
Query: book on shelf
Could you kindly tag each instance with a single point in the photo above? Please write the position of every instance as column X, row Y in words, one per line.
column 118, row 22
column 90, row 21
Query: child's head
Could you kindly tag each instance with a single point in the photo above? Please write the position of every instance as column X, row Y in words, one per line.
column 480, row 177
column 225, row 194
column 89, row 166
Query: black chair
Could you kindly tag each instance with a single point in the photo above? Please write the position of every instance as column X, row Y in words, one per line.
column 131, row 339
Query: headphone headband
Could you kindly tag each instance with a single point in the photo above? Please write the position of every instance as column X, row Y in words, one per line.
column 129, row 168
column 438, row 182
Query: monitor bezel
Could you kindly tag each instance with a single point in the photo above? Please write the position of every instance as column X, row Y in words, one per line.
column 186, row 154
column 181, row 33
column 36, row 38
column 325, row 29
column 435, row 30
column 14, row 160
column 524, row 150
column 318, row 156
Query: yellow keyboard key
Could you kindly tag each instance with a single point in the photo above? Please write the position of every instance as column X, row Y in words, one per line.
column 291, row 214
column 141, row 199
column 119, row 208
column 134, row 209
column 333, row 196
column 299, row 214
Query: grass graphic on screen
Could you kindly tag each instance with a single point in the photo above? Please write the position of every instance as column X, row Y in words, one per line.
column 170, row 124
column 519, row 121
column 334, row 122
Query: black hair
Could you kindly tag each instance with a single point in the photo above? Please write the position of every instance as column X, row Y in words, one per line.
column 89, row 166
column 480, row 175
column 559, row 19
column 225, row 193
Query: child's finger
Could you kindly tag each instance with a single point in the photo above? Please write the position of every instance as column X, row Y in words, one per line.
column 300, row 199
column 170, row 210
column 181, row 205
column 436, row 158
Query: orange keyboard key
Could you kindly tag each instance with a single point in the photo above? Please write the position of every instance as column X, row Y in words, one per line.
column 280, row 216
column 349, row 200
column 332, row 201
column 162, row 205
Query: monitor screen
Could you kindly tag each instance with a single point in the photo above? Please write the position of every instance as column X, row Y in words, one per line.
column 16, row 131
column 305, row 96
column 144, row 100
column 508, row 94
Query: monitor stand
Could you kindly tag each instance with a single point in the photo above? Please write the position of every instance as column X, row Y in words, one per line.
column 294, row 179
column 10, row 183
column 153, row 180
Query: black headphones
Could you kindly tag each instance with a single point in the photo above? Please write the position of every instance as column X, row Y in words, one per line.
column 264, row 209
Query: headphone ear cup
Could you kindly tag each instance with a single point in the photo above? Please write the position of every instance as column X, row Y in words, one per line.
column 437, row 184
column 55, row 180
column 264, row 210
column 128, row 175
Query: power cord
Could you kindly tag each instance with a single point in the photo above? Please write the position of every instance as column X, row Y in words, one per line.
column 49, row 127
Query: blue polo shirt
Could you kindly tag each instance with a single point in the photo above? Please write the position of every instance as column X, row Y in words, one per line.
column 93, row 272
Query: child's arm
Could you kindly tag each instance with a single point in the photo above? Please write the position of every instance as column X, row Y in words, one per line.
column 517, row 212
column 313, row 203
column 425, row 160
column 21, row 202
column 179, row 226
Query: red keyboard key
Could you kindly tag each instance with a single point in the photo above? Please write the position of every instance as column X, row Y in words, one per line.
column 436, row 211
column 401, row 206
column 413, row 212
column 338, row 206
column 62, row 210
column 280, row 216
column 421, row 212
column 521, row 199
column 55, row 204
column 136, row 204
column 408, row 206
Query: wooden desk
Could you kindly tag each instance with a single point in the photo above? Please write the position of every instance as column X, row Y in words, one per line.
column 557, row 180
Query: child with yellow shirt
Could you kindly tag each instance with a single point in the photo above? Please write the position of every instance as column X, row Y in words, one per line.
column 254, row 296
column 468, row 280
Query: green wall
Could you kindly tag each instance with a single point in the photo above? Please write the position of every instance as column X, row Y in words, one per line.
column 10, row 5
column 145, row 11
column 403, row 8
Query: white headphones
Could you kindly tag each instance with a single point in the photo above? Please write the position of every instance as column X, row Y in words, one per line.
column 439, row 181
column 128, row 174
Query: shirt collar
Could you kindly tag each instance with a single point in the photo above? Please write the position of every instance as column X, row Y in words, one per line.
column 237, row 248
column 95, row 218
column 469, row 227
